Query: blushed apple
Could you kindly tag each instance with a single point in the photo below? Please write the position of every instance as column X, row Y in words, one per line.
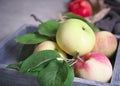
column 74, row 36
column 93, row 66
column 106, row 43
column 50, row 45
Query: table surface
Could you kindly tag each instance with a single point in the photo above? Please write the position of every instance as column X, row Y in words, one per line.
column 15, row 13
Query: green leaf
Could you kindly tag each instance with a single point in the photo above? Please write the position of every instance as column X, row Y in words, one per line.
column 33, row 73
column 48, row 28
column 31, row 38
column 56, row 73
column 95, row 29
column 26, row 51
column 70, row 77
column 40, row 67
column 37, row 59
column 15, row 66
column 71, row 15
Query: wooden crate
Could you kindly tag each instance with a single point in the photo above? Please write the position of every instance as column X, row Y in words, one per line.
column 10, row 51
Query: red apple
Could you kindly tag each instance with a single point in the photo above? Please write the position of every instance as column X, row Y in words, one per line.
column 106, row 43
column 93, row 66
column 81, row 7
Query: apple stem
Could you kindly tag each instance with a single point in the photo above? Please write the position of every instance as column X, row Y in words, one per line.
column 74, row 60
column 69, row 60
column 36, row 18
column 60, row 17
column 73, row 63
column 78, row 57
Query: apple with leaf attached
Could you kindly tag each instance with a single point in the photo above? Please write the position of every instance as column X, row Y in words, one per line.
column 75, row 35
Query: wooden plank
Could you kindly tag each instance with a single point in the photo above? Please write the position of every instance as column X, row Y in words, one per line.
column 116, row 71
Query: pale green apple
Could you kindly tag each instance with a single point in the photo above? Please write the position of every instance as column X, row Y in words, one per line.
column 50, row 45
column 74, row 36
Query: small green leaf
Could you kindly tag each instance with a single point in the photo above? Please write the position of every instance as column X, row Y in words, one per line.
column 31, row 38
column 95, row 29
column 48, row 28
column 37, row 59
column 71, row 15
column 15, row 66
column 56, row 73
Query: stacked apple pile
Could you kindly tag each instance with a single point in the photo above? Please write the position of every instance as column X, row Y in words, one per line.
column 90, row 50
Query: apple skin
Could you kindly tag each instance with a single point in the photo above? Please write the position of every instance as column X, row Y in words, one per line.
column 50, row 45
column 106, row 43
column 74, row 36
column 81, row 7
column 46, row 45
column 95, row 66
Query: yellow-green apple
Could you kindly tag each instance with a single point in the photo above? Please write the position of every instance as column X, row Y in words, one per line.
column 106, row 43
column 50, row 45
column 93, row 66
column 74, row 36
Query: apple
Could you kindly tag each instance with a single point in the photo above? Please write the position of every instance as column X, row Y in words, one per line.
column 74, row 36
column 81, row 7
column 93, row 66
column 106, row 43
column 50, row 45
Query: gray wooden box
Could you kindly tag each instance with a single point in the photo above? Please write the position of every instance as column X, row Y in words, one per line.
column 10, row 51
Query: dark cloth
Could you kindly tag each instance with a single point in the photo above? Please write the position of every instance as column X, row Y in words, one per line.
column 111, row 22
column 14, row 78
